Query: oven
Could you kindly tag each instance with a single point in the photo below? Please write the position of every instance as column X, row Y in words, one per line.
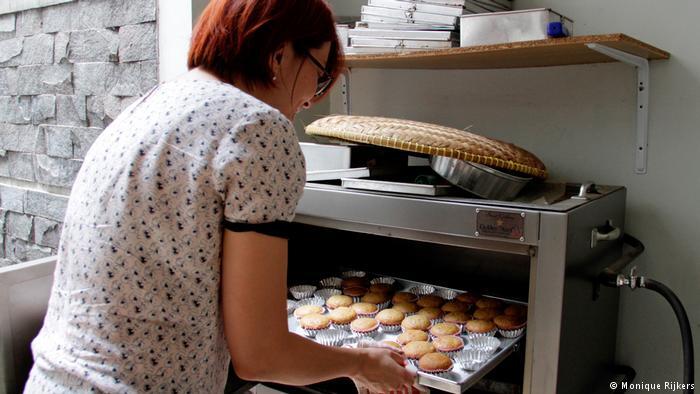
column 545, row 249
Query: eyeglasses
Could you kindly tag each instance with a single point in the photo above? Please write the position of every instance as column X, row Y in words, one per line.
column 324, row 81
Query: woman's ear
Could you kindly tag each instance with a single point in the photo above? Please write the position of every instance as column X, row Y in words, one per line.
column 276, row 63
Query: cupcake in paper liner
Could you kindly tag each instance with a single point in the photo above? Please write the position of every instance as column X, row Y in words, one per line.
column 433, row 314
column 430, row 301
column 332, row 337
column 338, row 301
column 381, row 288
column 404, row 296
column 416, row 322
column 471, row 359
column 486, row 313
column 387, row 280
column 381, row 300
column 326, row 293
column 307, row 309
column 311, row 301
column 364, row 327
column 454, row 306
column 480, row 328
column 330, row 282
column 437, row 364
column 409, row 336
column 302, row 291
column 356, row 292
column 365, row 309
column 314, row 323
column 408, row 308
column 291, row 306
column 390, row 320
column 354, row 274
column 516, row 310
column 342, row 317
column 417, row 349
column 421, row 290
column 447, row 294
column 487, row 302
column 448, row 344
column 441, row 329
column 486, row 344
column 509, row 326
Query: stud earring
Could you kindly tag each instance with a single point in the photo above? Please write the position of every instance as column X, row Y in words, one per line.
column 274, row 77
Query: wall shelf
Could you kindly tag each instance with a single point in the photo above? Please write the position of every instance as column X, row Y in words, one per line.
column 540, row 53
column 590, row 49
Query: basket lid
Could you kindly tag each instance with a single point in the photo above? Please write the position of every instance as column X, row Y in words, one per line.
column 429, row 139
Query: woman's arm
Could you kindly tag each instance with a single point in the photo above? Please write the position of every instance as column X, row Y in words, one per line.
column 254, row 287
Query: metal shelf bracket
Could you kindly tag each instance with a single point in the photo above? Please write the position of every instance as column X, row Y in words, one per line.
column 345, row 91
column 642, row 66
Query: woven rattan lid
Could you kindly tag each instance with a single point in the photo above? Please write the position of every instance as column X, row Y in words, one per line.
column 429, row 139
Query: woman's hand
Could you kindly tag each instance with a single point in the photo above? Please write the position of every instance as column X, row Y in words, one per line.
column 382, row 371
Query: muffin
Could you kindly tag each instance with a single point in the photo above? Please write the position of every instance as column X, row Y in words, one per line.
column 390, row 319
column 434, row 363
column 484, row 303
column 417, row 349
column 383, row 288
column 442, row 329
column 353, row 282
column 364, row 326
column 457, row 318
column 480, row 327
column 313, row 323
column 365, row 309
column 430, row 301
column 509, row 326
column 516, row 310
column 375, row 298
column 505, row 322
column 342, row 316
column 355, row 292
column 391, row 344
column 409, row 336
column 416, row 322
column 407, row 308
column 454, row 306
column 338, row 301
column 486, row 314
column 433, row 314
column 448, row 344
column 307, row 310
column 403, row 296
column 467, row 298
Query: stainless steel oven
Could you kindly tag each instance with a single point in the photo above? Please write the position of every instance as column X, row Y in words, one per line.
column 545, row 249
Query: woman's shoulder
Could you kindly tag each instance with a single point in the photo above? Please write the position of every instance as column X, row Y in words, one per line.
column 228, row 101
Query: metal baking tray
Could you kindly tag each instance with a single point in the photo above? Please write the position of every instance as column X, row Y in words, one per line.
column 397, row 187
column 457, row 380
column 509, row 26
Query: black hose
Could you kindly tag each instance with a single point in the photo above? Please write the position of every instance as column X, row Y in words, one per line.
column 686, row 334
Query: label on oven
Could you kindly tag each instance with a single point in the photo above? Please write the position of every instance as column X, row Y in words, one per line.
column 500, row 224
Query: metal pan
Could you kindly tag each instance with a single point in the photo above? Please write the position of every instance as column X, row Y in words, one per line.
column 478, row 179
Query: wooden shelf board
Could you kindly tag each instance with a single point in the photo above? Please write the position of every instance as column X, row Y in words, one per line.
column 540, row 53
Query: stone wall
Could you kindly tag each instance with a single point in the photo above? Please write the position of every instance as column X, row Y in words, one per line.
column 65, row 72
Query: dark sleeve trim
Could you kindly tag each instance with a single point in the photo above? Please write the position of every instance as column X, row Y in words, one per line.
column 280, row 229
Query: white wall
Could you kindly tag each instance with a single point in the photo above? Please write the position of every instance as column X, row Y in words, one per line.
column 580, row 121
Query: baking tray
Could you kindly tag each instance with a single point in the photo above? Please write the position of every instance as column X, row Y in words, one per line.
column 457, row 380
column 397, row 187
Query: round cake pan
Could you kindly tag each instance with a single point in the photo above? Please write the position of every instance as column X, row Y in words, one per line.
column 478, row 179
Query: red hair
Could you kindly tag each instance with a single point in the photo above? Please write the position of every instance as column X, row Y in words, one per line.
column 238, row 37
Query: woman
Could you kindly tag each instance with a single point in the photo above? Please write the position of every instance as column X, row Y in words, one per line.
column 173, row 252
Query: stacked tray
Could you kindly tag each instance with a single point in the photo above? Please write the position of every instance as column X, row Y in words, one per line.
column 481, row 352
